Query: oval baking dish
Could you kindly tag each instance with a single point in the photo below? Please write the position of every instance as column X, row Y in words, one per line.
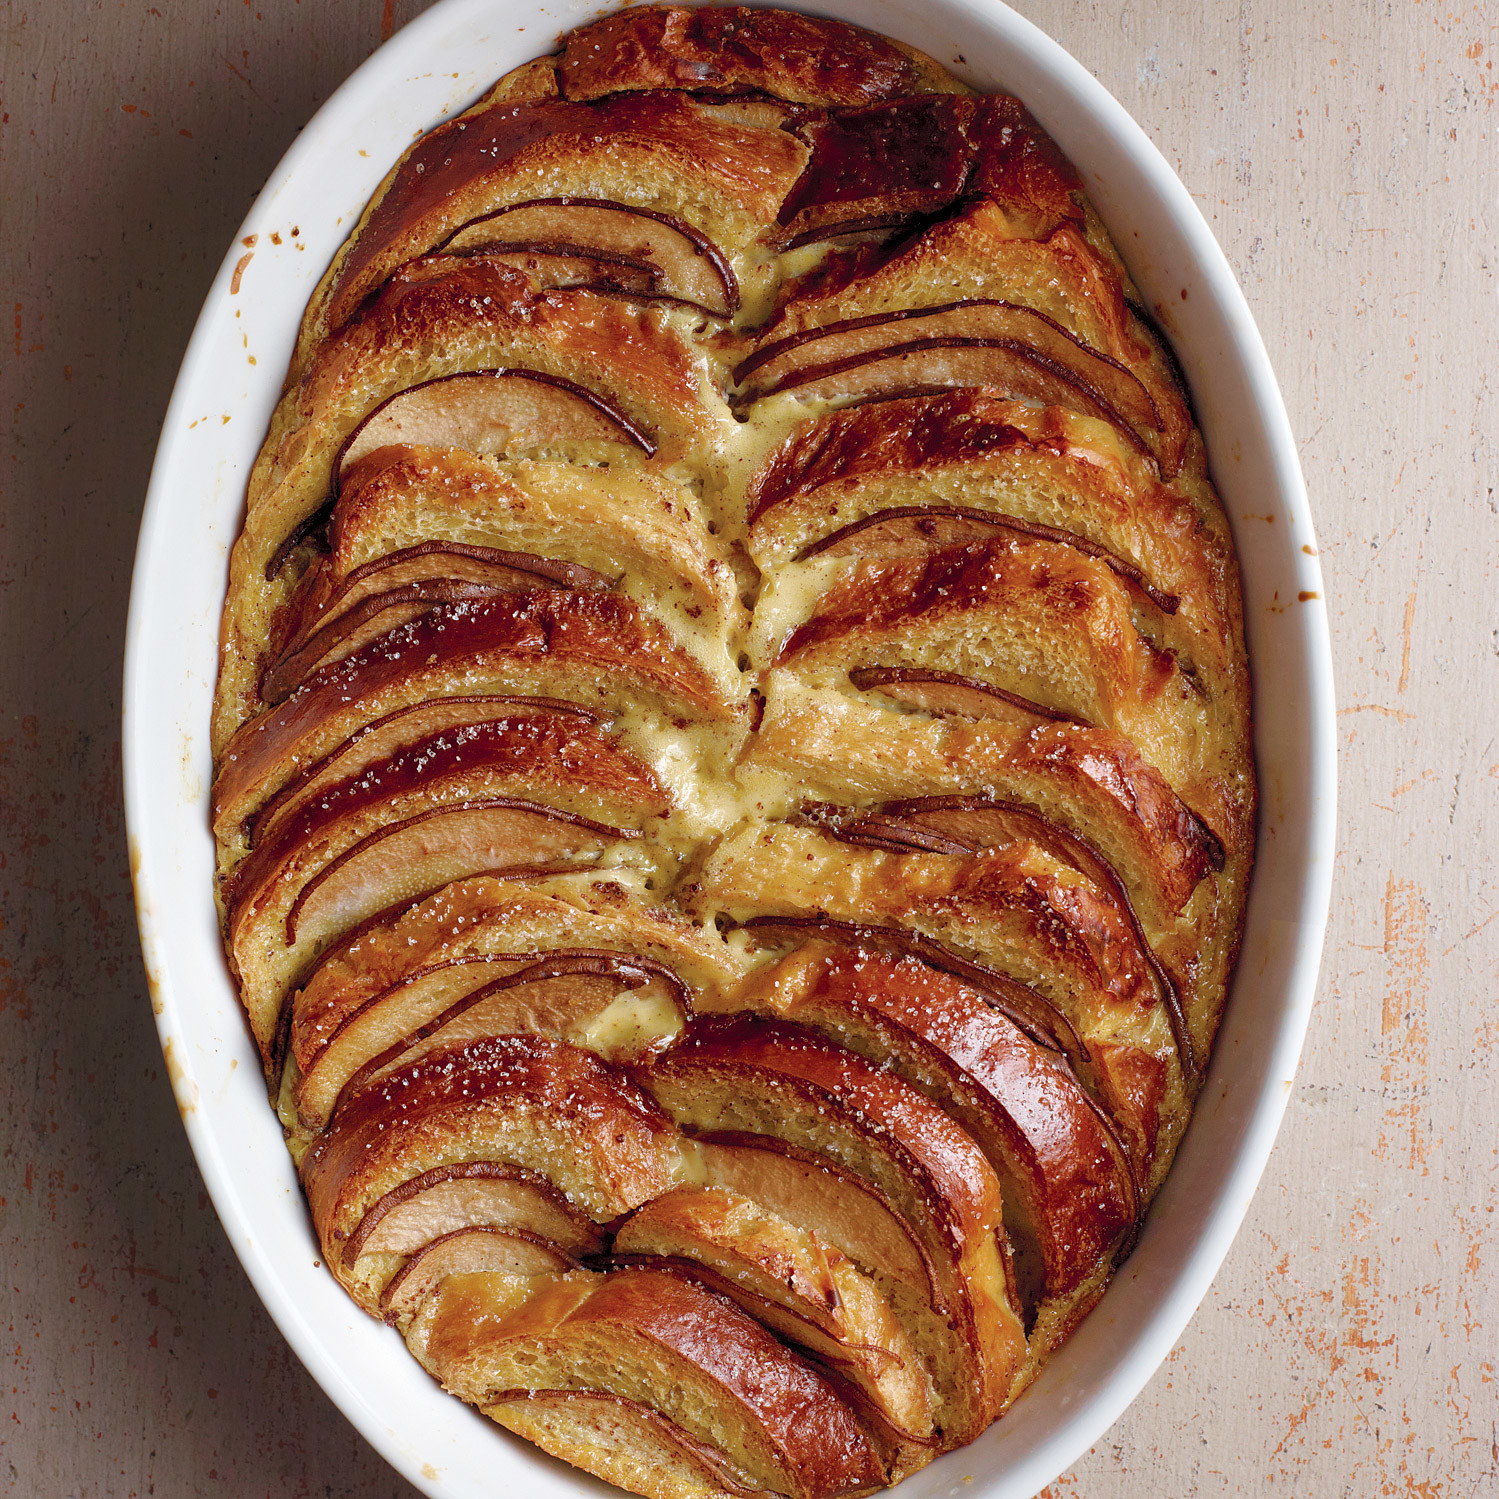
column 213, row 428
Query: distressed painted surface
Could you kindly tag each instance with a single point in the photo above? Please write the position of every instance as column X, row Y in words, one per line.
column 1347, row 157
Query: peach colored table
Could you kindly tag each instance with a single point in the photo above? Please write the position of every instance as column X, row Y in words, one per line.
column 1346, row 154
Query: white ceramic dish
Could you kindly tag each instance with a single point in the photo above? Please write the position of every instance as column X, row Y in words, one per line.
column 228, row 385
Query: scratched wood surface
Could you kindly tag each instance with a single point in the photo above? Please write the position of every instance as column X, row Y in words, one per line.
column 1346, row 156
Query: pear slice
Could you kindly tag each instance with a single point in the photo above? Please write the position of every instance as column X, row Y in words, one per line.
column 491, row 412
column 981, row 341
column 904, row 529
column 945, row 692
column 447, row 843
column 623, row 1007
column 661, row 254
column 383, row 738
column 490, row 1194
column 464, row 1252
column 811, row 1192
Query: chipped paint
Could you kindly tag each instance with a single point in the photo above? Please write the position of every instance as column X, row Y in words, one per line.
column 1406, row 1071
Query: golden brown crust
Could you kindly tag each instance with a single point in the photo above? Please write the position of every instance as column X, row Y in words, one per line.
column 806, row 1291
column 531, row 791
column 1069, row 1185
column 982, row 258
column 729, row 1378
column 436, row 319
column 549, row 1108
column 883, row 166
column 505, row 153
column 732, row 784
column 782, row 1082
column 574, row 960
column 624, row 1442
column 1045, row 621
column 975, row 450
column 729, row 50
column 592, row 647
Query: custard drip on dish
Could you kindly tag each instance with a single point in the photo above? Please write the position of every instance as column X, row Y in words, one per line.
column 733, row 790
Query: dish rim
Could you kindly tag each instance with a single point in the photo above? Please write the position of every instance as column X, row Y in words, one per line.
column 1080, row 1419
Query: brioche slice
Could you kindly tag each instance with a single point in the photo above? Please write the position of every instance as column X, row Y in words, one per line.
column 1182, row 884
column 959, row 915
column 879, row 168
column 773, row 1080
column 806, row 1291
column 585, row 963
column 595, row 650
column 442, row 318
column 1038, row 620
column 1065, row 1170
column 912, row 475
column 623, row 1008
column 624, row 1442
column 810, row 1190
column 553, row 1110
column 1017, row 909
column 506, row 793
column 634, row 531
column 982, row 259
column 861, row 750
column 710, row 179
column 477, row 929
column 961, row 826
column 729, row 50
column 665, row 1344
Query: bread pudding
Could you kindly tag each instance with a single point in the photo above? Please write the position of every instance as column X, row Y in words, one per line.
column 732, row 784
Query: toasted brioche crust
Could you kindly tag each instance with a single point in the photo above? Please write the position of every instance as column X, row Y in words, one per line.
column 728, row 1380
column 733, row 789
column 729, row 50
